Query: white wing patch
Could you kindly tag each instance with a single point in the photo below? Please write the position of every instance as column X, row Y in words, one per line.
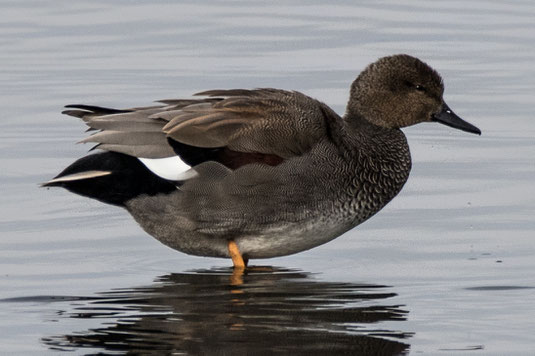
column 170, row 168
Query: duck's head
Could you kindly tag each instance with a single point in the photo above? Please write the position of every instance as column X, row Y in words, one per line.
column 399, row 91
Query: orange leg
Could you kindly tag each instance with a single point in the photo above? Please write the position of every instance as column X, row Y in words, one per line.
column 235, row 254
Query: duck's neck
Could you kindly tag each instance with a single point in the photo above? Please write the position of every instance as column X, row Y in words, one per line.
column 358, row 124
column 367, row 141
column 364, row 130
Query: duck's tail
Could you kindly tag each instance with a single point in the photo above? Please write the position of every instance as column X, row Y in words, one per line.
column 110, row 177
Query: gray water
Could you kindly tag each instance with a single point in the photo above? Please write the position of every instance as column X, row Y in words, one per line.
column 448, row 267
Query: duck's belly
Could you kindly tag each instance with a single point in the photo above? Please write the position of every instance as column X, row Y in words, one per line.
column 288, row 240
column 273, row 241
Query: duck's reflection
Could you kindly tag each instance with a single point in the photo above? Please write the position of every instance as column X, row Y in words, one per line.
column 266, row 311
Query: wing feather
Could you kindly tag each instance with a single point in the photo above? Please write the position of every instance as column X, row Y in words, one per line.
column 258, row 123
column 266, row 121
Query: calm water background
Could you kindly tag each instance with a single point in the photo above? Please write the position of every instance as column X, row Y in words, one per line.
column 447, row 268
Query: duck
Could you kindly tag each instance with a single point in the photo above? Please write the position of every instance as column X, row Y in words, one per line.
column 259, row 173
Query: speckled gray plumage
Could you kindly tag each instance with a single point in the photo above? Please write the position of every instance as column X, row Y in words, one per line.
column 334, row 178
column 274, row 211
column 323, row 174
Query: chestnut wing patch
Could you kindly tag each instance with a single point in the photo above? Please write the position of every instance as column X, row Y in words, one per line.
column 235, row 159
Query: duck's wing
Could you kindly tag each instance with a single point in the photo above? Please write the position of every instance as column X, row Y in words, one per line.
column 233, row 127
column 208, row 138
column 264, row 121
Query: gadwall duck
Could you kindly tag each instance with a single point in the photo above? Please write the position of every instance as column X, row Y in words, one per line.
column 259, row 173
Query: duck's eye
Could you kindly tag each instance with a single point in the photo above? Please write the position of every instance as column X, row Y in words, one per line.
column 419, row 87
column 411, row 85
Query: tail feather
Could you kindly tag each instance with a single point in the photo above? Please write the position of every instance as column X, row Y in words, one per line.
column 74, row 177
column 95, row 110
column 110, row 177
